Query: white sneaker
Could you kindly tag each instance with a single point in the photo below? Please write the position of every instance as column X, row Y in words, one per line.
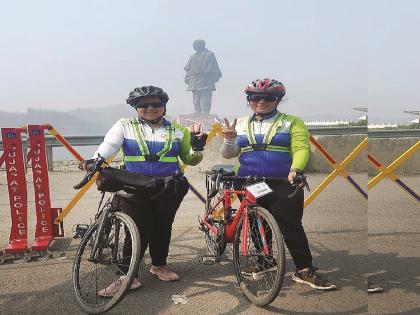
column 164, row 273
column 115, row 286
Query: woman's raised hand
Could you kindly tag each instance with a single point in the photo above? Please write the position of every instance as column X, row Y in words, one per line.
column 228, row 130
column 198, row 138
column 197, row 129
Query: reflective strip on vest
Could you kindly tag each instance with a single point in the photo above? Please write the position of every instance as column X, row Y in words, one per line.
column 144, row 149
column 169, row 140
column 273, row 129
column 139, row 134
column 142, row 158
column 250, row 134
column 269, row 148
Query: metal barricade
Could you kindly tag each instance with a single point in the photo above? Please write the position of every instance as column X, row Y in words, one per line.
column 388, row 171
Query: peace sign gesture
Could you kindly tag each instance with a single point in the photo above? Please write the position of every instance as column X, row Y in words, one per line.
column 228, row 130
column 198, row 138
column 197, row 129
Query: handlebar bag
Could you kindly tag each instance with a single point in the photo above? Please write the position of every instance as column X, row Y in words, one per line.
column 112, row 180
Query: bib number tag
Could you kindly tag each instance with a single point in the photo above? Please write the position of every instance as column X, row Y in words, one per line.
column 259, row 189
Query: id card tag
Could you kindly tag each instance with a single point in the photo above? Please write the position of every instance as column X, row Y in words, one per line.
column 259, row 189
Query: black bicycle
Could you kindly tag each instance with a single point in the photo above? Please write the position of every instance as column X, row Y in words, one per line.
column 110, row 248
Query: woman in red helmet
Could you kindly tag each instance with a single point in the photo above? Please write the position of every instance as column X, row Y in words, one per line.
column 273, row 144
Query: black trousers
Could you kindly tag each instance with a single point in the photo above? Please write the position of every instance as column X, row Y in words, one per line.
column 154, row 218
column 288, row 213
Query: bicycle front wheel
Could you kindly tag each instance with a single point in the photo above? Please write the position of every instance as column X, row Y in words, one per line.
column 259, row 256
column 116, row 259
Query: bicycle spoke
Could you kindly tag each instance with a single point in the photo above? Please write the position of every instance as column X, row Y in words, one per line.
column 112, row 259
column 258, row 271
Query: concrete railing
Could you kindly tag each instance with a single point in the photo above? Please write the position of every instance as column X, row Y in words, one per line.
column 386, row 145
column 339, row 141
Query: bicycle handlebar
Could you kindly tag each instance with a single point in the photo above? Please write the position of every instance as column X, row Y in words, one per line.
column 93, row 167
column 299, row 182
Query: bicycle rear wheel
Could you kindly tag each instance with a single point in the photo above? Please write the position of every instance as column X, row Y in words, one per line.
column 216, row 244
column 260, row 269
column 111, row 261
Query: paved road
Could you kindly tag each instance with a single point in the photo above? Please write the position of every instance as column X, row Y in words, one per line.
column 394, row 248
column 336, row 224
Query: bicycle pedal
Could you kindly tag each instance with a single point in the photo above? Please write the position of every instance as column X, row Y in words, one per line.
column 80, row 230
column 207, row 260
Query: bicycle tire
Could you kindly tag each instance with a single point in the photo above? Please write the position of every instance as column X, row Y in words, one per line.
column 277, row 263
column 87, row 240
column 215, row 246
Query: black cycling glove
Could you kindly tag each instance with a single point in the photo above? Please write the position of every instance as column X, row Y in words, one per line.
column 198, row 143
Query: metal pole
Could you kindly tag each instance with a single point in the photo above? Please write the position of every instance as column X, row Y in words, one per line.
column 50, row 161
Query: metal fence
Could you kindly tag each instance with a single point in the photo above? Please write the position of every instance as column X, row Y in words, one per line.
column 77, row 141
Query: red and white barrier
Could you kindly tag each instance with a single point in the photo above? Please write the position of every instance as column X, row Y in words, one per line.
column 13, row 158
column 16, row 184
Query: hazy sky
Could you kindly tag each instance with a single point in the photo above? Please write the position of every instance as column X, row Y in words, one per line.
column 331, row 55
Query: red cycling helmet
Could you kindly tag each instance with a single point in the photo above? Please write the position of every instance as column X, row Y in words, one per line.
column 267, row 86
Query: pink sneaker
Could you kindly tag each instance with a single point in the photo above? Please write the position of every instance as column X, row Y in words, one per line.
column 164, row 273
column 115, row 286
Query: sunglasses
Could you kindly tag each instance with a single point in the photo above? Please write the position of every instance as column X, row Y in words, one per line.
column 147, row 105
column 258, row 98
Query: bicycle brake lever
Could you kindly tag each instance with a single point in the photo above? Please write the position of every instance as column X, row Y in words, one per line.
column 299, row 182
column 307, row 185
column 305, row 182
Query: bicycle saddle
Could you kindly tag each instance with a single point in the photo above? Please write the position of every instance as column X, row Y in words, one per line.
column 226, row 170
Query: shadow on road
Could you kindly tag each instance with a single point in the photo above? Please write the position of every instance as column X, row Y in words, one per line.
column 213, row 289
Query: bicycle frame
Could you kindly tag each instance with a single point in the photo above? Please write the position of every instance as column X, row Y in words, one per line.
column 99, row 232
column 229, row 228
column 103, row 215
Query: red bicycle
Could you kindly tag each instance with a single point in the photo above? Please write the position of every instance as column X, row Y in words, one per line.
column 258, row 249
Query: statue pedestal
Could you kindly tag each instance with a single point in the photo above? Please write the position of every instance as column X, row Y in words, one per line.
column 205, row 120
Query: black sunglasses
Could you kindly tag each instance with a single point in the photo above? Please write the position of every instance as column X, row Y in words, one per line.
column 146, row 105
column 267, row 98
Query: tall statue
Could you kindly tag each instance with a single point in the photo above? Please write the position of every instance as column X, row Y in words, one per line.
column 202, row 74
